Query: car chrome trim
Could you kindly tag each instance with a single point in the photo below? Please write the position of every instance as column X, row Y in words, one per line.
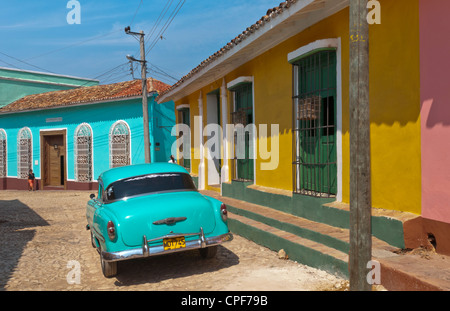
column 98, row 235
column 147, row 251
column 202, row 238
column 169, row 221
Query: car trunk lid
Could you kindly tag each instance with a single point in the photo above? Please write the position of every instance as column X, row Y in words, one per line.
column 158, row 215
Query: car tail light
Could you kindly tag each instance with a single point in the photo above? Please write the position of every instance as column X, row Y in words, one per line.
column 224, row 212
column 111, row 230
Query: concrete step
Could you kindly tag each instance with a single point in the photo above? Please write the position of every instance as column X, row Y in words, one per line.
column 326, row 247
column 309, row 242
column 297, row 248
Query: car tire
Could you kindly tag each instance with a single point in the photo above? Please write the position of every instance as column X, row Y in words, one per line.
column 208, row 252
column 109, row 269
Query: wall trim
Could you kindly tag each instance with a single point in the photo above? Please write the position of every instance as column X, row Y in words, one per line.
column 331, row 43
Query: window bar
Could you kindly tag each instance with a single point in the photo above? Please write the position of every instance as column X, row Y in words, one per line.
column 297, row 129
column 327, row 123
column 318, row 188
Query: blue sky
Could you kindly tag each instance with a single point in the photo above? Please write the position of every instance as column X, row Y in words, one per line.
column 35, row 35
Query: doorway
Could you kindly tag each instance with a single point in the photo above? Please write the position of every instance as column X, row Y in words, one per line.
column 53, row 159
column 214, row 138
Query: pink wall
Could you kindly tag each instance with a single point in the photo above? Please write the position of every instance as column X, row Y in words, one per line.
column 435, row 108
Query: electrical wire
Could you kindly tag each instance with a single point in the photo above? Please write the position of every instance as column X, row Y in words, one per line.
column 140, row 3
column 74, row 44
column 166, row 25
column 11, row 65
column 19, row 60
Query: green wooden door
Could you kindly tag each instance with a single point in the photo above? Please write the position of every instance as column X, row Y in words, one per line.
column 316, row 120
column 244, row 108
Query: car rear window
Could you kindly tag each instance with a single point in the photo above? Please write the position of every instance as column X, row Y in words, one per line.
column 146, row 184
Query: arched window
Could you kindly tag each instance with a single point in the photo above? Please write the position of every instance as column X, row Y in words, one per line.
column 83, row 153
column 2, row 153
column 119, row 144
column 24, row 153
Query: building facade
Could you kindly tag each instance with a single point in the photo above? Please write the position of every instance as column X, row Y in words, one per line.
column 285, row 79
column 435, row 123
column 69, row 137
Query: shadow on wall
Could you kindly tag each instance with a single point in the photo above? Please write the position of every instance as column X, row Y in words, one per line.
column 15, row 218
column 435, row 113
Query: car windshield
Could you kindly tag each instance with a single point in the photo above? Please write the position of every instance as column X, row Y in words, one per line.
column 146, row 184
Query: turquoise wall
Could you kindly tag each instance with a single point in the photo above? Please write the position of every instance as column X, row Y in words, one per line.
column 15, row 84
column 164, row 116
column 100, row 117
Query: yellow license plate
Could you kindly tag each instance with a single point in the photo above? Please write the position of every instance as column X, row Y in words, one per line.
column 174, row 243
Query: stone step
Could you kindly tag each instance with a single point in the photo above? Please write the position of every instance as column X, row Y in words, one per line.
column 297, row 248
column 309, row 242
column 326, row 246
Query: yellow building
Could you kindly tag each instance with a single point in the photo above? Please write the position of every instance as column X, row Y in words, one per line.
column 287, row 78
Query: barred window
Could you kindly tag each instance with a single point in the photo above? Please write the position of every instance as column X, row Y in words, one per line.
column 24, row 153
column 83, row 153
column 2, row 153
column 314, row 120
column 119, row 144
column 242, row 116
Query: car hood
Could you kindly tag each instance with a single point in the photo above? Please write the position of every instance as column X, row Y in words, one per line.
column 152, row 215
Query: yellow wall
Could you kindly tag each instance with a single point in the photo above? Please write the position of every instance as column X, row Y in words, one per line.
column 394, row 100
column 395, row 107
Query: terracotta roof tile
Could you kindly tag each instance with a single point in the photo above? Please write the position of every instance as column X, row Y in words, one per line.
column 82, row 95
column 271, row 14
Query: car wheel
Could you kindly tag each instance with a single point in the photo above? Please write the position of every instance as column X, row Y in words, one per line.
column 109, row 269
column 208, row 252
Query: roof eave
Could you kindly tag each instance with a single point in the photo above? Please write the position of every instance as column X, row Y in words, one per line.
column 78, row 104
column 297, row 17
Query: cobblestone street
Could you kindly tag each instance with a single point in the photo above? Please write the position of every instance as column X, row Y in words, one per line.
column 43, row 234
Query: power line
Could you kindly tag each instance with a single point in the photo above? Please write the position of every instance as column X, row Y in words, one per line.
column 11, row 65
column 160, row 71
column 19, row 60
column 74, row 44
column 140, row 3
column 166, row 25
column 160, row 18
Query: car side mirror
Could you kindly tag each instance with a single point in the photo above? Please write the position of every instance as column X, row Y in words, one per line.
column 92, row 196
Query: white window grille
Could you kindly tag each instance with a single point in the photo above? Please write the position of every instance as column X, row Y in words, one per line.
column 24, row 153
column 83, row 153
column 3, row 153
column 119, row 144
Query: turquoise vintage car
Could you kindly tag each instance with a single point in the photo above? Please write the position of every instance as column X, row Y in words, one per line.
column 151, row 209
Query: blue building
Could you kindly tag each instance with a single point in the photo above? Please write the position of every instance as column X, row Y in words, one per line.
column 69, row 137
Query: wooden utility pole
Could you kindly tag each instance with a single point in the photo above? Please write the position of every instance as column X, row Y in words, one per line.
column 145, row 101
column 147, row 152
column 360, row 174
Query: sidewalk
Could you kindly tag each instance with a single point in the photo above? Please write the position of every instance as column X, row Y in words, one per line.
column 415, row 270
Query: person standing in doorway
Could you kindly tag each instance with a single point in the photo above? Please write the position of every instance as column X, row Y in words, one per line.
column 31, row 180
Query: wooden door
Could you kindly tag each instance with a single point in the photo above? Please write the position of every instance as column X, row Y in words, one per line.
column 54, row 160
